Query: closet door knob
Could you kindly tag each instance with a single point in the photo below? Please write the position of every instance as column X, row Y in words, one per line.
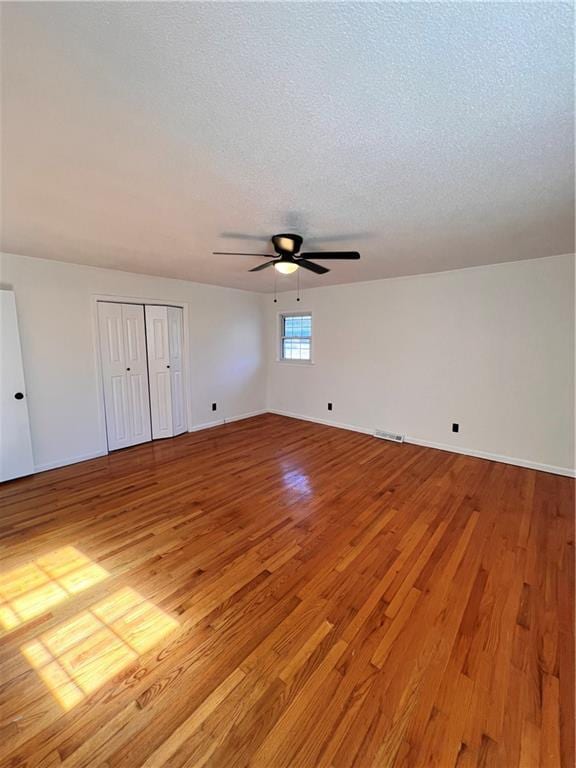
column 127, row 369
column 19, row 396
column 167, row 366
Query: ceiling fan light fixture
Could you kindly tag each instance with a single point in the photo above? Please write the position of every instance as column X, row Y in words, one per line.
column 285, row 267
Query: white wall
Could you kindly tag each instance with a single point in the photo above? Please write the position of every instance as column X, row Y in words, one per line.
column 55, row 306
column 491, row 348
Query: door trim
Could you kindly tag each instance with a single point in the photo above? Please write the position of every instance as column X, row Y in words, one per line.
column 114, row 299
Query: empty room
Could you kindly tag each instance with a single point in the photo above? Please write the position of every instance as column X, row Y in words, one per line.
column 287, row 388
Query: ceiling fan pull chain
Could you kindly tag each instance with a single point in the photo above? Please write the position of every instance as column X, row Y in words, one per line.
column 275, row 294
column 298, row 286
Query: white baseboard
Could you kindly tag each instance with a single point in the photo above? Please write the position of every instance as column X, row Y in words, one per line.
column 566, row 471
column 220, row 422
column 495, row 457
column 207, row 425
column 326, row 422
column 98, row 454
column 68, row 461
column 246, row 415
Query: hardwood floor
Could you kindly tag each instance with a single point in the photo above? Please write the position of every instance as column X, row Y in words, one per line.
column 277, row 593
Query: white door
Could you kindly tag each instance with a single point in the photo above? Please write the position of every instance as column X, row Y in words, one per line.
column 137, row 372
column 159, row 371
column 175, row 343
column 15, row 443
column 164, row 336
column 124, row 372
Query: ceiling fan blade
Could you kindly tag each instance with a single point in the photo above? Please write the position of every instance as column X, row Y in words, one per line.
column 312, row 267
column 331, row 255
column 236, row 253
column 262, row 266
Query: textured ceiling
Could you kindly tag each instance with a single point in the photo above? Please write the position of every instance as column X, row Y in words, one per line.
column 428, row 136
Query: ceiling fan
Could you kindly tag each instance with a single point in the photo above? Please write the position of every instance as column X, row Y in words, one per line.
column 289, row 258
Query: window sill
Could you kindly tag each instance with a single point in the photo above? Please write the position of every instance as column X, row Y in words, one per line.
column 295, row 362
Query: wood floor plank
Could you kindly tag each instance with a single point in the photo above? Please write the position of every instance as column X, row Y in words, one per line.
column 278, row 593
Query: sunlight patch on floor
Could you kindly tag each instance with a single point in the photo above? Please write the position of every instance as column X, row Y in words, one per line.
column 31, row 589
column 78, row 656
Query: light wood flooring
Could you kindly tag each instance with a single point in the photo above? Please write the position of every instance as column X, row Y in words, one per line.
column 276, row 593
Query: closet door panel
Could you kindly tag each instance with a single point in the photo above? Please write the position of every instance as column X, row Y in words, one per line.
column 159, row 371
column 178, row 414
column 132, row 334
column 164, row 406
column 124, row 373
column 118, row 424
column 140, row 408
column 137, row 373
column 175, row 341
column 115, row 349
column 160, row 336
column 114, row 375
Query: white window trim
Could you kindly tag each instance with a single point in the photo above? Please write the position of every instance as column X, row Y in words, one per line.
column 279, row 358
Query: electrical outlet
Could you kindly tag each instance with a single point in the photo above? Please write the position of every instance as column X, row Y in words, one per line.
column 329, row 406
column 455, row 427
column 213, row 406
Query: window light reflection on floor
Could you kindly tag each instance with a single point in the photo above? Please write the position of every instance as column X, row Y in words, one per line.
column 31, row 589
column 296, row 480
column 78, row 656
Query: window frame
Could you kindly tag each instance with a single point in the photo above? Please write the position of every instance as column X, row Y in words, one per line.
column 280, row 343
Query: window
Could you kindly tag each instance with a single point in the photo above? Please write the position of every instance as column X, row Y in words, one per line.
column 296, row 337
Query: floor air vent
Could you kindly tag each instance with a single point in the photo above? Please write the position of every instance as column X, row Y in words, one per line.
column 383, row 435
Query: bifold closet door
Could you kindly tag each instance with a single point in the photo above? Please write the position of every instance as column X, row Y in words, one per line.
column 175, row 346
column 125, row 374
column 164, row 334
